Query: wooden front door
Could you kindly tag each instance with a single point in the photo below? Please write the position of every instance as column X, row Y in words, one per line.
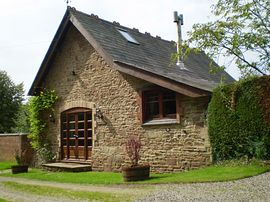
column 76, row 134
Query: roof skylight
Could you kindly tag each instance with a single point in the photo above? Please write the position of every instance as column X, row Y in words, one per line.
column 127, row 36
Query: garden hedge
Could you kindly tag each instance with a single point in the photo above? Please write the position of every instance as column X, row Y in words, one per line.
column 239, row 120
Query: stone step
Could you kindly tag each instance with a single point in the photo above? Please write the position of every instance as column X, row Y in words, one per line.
column 67, row 167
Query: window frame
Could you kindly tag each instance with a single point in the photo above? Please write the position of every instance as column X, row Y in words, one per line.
column 161, row 118
column 127, row 36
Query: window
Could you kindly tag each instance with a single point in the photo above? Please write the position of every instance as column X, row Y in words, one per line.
column 127, row 36
column 158, row 104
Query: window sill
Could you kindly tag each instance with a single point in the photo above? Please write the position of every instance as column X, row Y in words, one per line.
column 160, row 122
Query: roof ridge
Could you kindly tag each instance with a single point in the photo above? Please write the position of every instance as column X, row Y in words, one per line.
column 115, row 23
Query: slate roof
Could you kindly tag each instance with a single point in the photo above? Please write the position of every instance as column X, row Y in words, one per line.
column 152, row 54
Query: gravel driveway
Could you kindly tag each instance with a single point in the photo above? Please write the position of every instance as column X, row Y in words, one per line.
column 250, row 189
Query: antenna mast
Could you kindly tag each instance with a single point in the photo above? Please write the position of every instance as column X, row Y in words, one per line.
column 179, row 20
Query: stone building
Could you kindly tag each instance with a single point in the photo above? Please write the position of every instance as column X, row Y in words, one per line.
column 114, row 82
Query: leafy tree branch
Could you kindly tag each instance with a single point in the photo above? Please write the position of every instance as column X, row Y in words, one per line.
column 242, row 32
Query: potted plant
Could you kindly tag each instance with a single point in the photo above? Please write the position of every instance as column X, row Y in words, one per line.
column 135, row 172
column 22, row 162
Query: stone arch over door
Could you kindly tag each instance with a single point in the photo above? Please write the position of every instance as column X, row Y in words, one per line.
column 77, row 104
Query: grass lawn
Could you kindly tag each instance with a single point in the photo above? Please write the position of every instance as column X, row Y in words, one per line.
column 214, row 173
column 210, row 174
column 6, row 165
column 63, row 193
column 3, row 200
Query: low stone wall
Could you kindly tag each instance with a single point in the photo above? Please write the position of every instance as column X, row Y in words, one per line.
column 10, row 143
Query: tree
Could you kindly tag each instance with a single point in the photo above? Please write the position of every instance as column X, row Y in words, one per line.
column 241, row 33
column 11, row 97
column 22, row 122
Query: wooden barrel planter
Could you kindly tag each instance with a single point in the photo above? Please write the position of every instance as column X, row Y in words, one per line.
column 19, row 169
column 136, row 173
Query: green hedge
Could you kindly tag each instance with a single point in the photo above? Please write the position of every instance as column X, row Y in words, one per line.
column 238, row 119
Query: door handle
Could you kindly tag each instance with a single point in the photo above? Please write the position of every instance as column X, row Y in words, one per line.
column 76, row 136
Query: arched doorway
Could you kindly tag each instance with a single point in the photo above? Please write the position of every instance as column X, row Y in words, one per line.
column 76, row 134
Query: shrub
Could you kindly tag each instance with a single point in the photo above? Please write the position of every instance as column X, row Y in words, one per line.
column 38, row 106
column 238, row 120
column 133, row 146
column 23, row 157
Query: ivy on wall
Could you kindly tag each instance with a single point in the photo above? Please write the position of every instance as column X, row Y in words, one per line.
column 239, row 120
column 40, row 106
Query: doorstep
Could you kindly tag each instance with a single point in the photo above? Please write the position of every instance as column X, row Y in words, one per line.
column 67, row 167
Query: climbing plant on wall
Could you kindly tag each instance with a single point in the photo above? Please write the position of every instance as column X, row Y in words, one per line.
column 239, row 120
column 40, row 106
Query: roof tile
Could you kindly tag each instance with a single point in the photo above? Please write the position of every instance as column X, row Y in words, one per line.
column 152, row 55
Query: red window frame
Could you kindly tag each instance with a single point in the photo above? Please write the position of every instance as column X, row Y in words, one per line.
column 157, row 103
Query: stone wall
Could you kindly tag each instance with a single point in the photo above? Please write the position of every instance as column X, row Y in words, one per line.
column 181, row 146
column 12, row 143
column 80, row 75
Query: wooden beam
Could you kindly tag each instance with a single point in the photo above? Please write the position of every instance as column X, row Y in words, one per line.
column 161, row 81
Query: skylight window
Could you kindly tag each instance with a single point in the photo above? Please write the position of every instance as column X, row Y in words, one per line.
column 127, row 36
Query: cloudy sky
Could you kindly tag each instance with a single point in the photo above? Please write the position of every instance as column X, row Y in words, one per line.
column 28, row 26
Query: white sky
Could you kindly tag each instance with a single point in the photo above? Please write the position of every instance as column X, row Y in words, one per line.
column 27, row 27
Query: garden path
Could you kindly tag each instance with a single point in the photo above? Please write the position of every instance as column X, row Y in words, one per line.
column 249, row 189
column 13, row 195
